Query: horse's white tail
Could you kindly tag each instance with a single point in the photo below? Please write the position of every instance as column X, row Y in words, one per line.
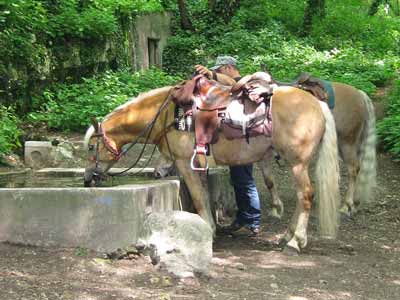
column 366, row 180
column 327, row 177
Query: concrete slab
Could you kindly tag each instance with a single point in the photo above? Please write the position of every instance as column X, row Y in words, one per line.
column 102, row 219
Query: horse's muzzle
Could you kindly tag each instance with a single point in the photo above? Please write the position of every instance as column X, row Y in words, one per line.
column 93, row 177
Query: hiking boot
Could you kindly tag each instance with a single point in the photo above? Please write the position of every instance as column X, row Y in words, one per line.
column 236, row 227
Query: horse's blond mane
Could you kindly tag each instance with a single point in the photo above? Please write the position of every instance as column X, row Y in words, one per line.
column 120, row 108
column 136, row 99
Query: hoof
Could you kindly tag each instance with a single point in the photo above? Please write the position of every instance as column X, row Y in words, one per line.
column 290, row 251
column 282, row 243
column 345, row 210
column 275, row 214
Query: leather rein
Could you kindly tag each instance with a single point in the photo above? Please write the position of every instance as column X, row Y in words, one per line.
column 117, row 154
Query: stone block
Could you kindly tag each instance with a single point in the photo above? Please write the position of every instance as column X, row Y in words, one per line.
column 37, row 154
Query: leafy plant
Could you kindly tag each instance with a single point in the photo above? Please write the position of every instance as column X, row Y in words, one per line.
column 389, row 128
column 71, row 106
column 9, row 130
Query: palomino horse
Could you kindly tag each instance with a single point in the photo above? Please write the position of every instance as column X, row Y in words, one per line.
column 355, row 127
column 302, row 127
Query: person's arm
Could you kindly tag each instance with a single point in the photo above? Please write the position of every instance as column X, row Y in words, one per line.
column 224, row 79
column 221, row 78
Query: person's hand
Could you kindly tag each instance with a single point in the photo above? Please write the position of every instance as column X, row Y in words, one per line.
column 257, row 92
column 203, row 71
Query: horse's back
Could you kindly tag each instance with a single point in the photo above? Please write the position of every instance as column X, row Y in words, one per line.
column 293, row 104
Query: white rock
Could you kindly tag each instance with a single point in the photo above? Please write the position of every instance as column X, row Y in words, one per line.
column 180, row 241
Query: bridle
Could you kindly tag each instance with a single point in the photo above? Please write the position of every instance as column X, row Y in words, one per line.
column 113, row 150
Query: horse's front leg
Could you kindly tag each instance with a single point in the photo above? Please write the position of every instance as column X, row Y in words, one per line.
column 297, row 232
column 198, row 191
column 277, row 207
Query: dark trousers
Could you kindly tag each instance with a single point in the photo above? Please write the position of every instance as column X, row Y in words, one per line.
column 247, row 199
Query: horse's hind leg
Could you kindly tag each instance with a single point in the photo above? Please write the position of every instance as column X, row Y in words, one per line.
column 351, row 159
column 297, row 232
column 277, row 208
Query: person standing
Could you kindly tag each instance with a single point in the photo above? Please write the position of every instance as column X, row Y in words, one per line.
column 248, row 215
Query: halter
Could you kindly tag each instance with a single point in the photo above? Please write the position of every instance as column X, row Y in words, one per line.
column 106, row 140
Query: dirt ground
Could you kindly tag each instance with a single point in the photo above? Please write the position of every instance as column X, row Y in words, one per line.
column 362, row 263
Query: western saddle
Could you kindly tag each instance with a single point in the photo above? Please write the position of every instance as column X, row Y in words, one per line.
column 214, row 107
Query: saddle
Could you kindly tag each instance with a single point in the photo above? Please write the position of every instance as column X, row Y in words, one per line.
column 214, row 109
column 309, row 83
column 197, row 99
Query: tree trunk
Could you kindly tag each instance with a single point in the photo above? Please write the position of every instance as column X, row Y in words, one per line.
column 224, row 9
column 186, row 24
column 314, row 8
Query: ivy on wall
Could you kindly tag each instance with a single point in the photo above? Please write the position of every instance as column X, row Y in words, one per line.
column 40, row 39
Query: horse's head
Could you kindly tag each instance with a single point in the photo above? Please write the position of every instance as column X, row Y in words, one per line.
column 144, row 119
column 102, row 154
column 257, row 86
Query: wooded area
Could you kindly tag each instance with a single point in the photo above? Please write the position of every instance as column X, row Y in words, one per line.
column 356, row 42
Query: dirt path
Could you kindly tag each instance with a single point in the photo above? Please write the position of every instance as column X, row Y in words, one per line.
column 363, row 263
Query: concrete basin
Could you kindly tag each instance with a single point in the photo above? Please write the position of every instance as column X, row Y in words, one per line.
column 102, row 219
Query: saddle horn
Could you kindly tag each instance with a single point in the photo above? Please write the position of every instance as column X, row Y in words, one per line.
column 256, row 76
column 241, row 83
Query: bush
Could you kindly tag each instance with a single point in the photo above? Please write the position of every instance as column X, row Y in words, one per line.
column 71, row 107
column 347, row 23
column 389, row 128
column 284, row 54
column 9, row 131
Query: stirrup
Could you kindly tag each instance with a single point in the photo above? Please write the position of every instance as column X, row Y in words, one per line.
column 199, row 150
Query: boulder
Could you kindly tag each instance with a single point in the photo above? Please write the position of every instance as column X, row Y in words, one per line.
column 178, row 241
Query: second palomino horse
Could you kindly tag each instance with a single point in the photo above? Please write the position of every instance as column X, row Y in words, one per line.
column 354, row 116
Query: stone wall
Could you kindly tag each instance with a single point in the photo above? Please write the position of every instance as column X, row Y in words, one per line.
column 69, row 60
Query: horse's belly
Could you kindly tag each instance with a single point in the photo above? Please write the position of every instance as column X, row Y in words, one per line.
column 239, row 152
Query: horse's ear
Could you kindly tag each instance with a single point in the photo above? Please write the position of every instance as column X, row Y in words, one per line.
column 95, row 124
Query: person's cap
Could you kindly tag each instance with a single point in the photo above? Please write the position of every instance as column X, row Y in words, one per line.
column 224, row 60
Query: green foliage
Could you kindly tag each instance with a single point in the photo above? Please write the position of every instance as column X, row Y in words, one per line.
column 284, row 54
column 389, row 128
column 32, row 32
column 71, row 107
column 348, row 23
column 9, row 130
column 81, row 251
column 183, row 52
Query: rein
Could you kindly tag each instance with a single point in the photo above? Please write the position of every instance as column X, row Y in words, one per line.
column 118, row 153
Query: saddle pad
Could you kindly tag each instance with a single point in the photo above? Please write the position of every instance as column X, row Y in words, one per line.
column 331, row 94
column 263, row 127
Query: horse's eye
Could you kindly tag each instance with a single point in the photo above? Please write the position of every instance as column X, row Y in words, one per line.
column 91, row 147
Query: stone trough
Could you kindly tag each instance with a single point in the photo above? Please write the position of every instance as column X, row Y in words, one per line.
column 103, row 219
